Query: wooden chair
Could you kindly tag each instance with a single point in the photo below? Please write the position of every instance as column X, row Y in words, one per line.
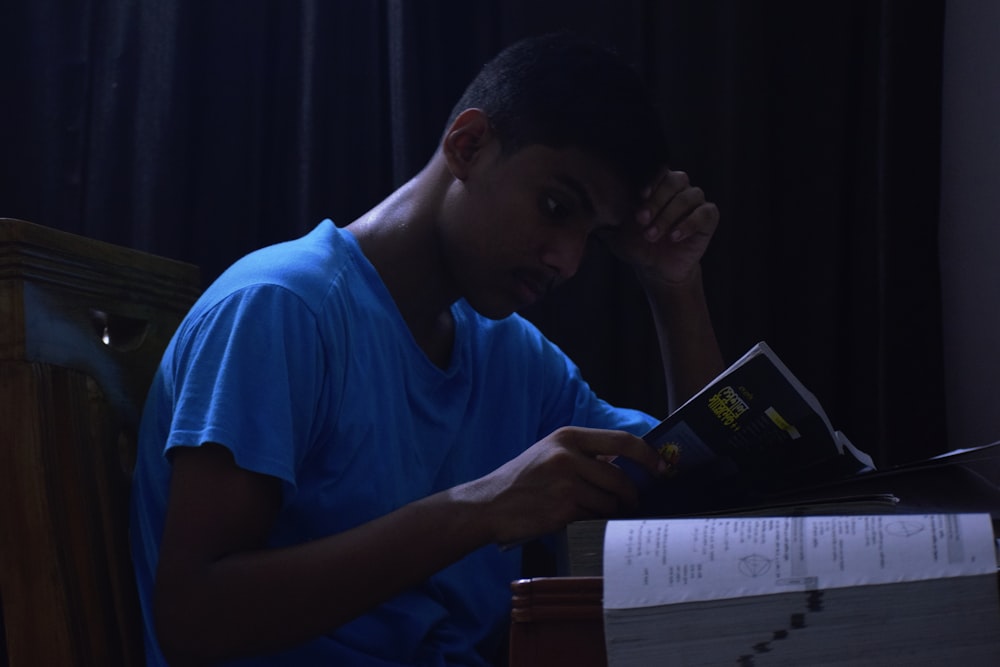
column 82, row 328
column 557, row 621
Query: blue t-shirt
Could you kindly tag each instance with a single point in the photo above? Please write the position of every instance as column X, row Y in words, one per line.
column 299, row 362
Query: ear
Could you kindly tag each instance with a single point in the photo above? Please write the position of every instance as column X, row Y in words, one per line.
column 464, row 142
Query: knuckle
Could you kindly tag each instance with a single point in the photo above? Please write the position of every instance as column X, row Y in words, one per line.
column 566, row 433
column 560, row 461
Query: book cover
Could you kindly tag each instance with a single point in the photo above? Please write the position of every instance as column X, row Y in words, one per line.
column 754, row 430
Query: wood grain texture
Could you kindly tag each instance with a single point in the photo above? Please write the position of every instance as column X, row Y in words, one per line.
column 82, row 327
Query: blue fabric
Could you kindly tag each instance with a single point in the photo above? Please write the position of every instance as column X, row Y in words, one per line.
column 298, row 361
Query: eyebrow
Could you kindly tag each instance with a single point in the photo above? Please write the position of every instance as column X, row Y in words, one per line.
column 583, row 195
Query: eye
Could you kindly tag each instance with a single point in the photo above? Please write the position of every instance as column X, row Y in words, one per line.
column 553, row 208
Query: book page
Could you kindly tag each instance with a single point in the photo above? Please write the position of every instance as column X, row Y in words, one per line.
column 662, row 561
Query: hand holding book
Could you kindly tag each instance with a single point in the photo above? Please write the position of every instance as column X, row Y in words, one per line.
column 754, row 429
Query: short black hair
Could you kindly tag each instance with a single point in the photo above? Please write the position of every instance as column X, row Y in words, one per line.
column 563, row 90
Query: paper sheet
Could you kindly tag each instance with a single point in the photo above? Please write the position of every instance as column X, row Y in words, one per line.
column 662, row 561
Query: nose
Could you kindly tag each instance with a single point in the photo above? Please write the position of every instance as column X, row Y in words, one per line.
column 563, row 251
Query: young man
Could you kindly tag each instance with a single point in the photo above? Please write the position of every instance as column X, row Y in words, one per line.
column 347, row 428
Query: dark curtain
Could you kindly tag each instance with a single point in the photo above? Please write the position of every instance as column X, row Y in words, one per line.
column 200, row 130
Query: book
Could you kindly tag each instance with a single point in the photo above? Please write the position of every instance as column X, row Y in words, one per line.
column 580, row 545
column 754, row 431
column 755, row 446
column 959, row 481
column 817, row 590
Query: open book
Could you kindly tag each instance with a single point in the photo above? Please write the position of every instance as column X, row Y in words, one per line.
column 753, row 431
column 961, row 481
column 835, row 590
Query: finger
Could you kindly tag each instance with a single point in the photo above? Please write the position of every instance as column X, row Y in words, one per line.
column 657, row 195
column 605, row 446
column 675, row 212
column 596, row 442
column 655, row 182
column 595, row 501
column 702, row 221
column 603, row 489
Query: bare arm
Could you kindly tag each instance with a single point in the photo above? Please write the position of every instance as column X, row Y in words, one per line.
column 219, row 593
column 691, row 357
column 665, row 244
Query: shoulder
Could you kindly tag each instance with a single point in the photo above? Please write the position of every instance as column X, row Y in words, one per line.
column 309, row 275
column 284, row 291
column 306, row 266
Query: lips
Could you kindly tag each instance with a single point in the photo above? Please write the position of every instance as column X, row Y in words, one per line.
column 531, row 287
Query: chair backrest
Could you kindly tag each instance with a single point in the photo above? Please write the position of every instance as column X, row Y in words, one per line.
column 82, row 327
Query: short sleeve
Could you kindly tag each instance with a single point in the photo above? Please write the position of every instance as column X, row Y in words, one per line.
column 248, row 375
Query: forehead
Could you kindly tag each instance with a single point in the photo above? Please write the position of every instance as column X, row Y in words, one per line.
column 593, row 183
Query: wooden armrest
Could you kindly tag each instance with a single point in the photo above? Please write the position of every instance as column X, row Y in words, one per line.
column 557, row 621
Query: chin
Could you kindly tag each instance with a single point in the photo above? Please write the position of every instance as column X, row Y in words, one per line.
column 492, row 309
column 495, row 313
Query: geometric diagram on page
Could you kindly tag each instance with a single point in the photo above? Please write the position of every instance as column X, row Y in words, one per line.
column 904, row 528
column 754, row 565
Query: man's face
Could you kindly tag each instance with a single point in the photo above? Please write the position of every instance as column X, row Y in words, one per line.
column 518, row 225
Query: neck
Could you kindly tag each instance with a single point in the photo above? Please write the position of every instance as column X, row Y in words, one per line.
column 399, row 238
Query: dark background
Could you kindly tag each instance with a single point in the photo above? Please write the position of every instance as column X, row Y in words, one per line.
column 201, row 130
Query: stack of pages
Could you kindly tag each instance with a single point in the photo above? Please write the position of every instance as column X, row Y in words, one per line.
column 806, row 590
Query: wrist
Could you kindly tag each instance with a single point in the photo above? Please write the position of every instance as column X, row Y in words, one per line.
column 656, row 283
column 472, row 503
